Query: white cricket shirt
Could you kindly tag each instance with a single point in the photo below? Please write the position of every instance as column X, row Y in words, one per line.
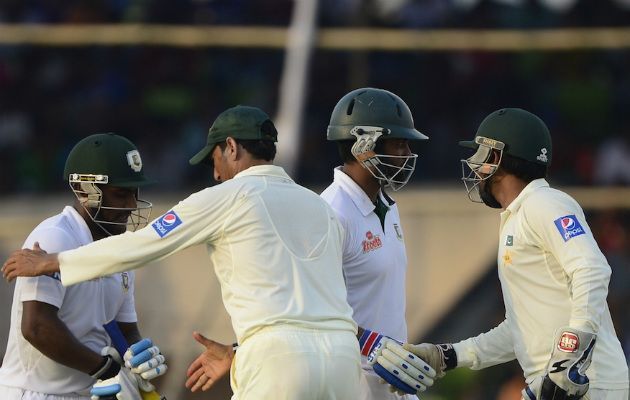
column 275, row 247
column 552, row 275
column 83, row 308
column 374, row 258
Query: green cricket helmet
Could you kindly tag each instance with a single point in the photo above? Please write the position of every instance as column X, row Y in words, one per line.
column 512, row 131
column 107, row 159
column 367, row 115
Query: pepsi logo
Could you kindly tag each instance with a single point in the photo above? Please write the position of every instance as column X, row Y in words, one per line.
column 568, row 223
column 169, row 219
column 369, row 235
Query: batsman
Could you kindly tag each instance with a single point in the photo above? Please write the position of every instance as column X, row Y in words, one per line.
column 58, row 348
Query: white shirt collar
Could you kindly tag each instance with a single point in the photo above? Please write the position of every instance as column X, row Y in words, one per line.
column 267, row 170
column 79, row 226
column 527, row 190
column 358, row 195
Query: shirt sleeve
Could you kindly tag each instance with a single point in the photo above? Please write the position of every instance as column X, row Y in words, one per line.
column 47, row 288
column 561, row 229
column 195, row 220
column 127, row 311
column 487, row 349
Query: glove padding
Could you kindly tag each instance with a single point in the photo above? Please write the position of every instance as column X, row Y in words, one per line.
column 123, row 386
column 144, row 359
column 565, row 375
column 441, row 357
column 406, row 373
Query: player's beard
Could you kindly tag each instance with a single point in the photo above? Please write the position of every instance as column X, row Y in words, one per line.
column 485, row 192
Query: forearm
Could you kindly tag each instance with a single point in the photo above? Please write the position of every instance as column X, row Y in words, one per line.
column 589, row 288
column 487, row 349
column 53, row 339
column 130, row 332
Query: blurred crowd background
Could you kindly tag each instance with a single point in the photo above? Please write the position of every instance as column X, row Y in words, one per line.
column 165, row 98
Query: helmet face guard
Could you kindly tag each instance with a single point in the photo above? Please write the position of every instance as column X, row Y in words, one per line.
column 391, row 171
column 478, row 167
column 86, row 188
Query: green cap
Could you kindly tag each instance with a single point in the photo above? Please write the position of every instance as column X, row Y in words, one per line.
column 240, row 122
column 112, row 156
column 524, row 134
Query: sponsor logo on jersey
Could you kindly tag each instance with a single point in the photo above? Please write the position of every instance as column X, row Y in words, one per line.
column 371, row 242
column 166, row 223
column 569, row 342
column 509, row 241
column 569, row 227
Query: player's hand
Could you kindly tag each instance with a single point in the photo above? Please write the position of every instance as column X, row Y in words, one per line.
column 28, row 262
column 441, row 357
column 405, row 372
column 123, row 386
column 565, row 375
column 210, row 366
column 145, row 360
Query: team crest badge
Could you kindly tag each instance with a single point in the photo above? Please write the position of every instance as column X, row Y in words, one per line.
column 371, row 242
column 509, row 241
column 134, row 160
column 125, row 281
column 398, row 232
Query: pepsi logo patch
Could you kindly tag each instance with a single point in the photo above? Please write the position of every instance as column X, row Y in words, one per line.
column 569, row 227
column 166, row 223
column 569, row 342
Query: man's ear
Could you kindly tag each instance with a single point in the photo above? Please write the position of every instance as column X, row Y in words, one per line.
column 231, row 148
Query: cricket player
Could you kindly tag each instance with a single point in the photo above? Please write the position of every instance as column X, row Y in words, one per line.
column 276, row 249
column 372, row 129
column 57, row 347
column 553, row 276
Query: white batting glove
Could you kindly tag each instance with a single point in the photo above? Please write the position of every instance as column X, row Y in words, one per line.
column 405, row 372
column 565, row 376
column 123, row 386
column 145, row 360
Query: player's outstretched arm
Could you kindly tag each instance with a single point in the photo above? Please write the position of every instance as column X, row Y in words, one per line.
column 28, row 262
column 210, row 366
column 441, row 357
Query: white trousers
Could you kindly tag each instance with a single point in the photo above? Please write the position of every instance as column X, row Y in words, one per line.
column 373, row 389
column 11, row 393
column 289, row 363
column 604, row 394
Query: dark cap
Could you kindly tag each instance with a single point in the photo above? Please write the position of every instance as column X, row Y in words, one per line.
column 240, row 122
column 524, row 134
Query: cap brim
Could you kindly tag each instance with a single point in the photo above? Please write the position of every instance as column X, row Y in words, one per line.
column 201, row 156
column 468, row 144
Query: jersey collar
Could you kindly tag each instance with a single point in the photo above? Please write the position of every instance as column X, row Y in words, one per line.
column 530, row 188
column 266, row 170
column 79, row 226
column 358, row 196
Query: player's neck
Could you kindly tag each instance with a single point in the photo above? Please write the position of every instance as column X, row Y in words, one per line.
column 507, row 188
column 363, row 178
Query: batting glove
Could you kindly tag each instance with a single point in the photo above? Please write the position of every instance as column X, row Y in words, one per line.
column 565, row 377
column 123, row 386
column 405, row 372
column 145, row 359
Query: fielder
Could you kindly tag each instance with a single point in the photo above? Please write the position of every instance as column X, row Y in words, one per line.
column 553, row 276
column 276, row 249
column 57, row 347
column 372, row 128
